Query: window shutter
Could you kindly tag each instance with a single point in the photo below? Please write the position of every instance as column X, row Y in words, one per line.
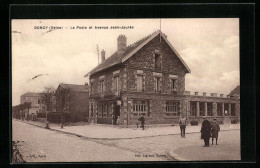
column 113, row 85
column 154, row 84
column 160, row 84
column 170, row 84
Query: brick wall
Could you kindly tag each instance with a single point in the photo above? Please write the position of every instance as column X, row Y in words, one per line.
column 106, row 76
column 144, row 60
column 157, row 105
column 77, row 104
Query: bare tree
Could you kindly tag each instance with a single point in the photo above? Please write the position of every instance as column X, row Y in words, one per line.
column 65, row 100
column 27, row 105
column 49, row 98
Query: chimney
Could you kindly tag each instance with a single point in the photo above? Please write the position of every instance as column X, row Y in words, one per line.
column 196, row 93
column 214, row 94
column 103, row 53
column 121, row 44
column 204, row 94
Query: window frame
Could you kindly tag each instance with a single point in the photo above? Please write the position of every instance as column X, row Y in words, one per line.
column 157, row 81
column 172, row 108
column 140, row 107
column 141, row 89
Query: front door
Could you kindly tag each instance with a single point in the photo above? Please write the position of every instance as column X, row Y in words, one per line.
column 116, row 113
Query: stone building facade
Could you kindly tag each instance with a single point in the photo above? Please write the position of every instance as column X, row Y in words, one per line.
column 74, row 100
column 148, row 78
column 35, row 99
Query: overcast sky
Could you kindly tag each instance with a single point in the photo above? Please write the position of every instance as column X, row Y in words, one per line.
column 210, row 47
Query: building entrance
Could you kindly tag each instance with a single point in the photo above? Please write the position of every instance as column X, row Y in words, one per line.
column 116, row 113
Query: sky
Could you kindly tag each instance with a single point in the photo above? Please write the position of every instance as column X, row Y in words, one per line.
column 210, row 48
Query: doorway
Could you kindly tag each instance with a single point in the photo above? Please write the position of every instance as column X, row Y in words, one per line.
column 116, row 113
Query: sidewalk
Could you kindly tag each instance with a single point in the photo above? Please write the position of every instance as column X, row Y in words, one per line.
column 99, row 131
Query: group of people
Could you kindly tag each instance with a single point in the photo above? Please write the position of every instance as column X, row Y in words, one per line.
column 208, row 130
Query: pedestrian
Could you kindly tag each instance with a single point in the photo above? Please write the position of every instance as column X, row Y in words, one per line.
column 205, row 132
column 182, row 123
column 47, row 125
column 118, row 121
column 214, row 130
column 141, row 119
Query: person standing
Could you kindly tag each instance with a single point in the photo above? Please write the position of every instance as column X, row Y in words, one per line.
column 214, row 130
column 182, row 123
column 118, row 121
column 141, row 119
column 205, row 132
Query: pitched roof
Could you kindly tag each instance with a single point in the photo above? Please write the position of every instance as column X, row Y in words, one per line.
column 32, row 94
column 73, row 87
column 235, row 91
column 116, row 59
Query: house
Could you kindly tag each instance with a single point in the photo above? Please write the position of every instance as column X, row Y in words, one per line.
column 73, row 100
column 35, row 99
column 148, row 78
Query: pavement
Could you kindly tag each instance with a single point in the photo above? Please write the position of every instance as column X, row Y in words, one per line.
column 151, row 140
column 100, row 131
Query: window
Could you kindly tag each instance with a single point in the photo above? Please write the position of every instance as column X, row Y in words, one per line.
column 139, row 83
column 210, row 109
column 157, row 84
column 101, row 87
column 193, row 108
column 233, row 110
column 99, row 109
column 109, row 109
column 91, row 88
column 91, row 110
column 116, row 85
column 226, row 108
column 219, row 109
column 173, row 89
column 172, row 108
column 104, row 110
column 157, row 61
column 140, row 107
column 202, row 110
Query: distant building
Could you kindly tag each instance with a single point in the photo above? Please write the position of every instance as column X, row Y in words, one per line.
column 148, row 78
column 235, row 92
column 73, row 99
column 35, row 99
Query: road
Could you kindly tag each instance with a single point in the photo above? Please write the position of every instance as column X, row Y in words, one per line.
column 42, row 145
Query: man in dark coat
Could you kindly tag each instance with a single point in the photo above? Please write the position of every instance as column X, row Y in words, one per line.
column 214, row 130
column 141, row 119
column 205, row 132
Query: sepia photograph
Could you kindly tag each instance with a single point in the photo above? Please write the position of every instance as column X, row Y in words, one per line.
column 125, row 90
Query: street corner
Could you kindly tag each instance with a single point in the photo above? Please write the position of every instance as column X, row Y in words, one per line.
column 193, row 152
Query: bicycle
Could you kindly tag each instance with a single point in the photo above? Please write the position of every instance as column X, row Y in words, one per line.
column 138, row 125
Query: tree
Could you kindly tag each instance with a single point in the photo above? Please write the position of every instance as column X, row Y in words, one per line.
column 27, row 105
column 49, row 98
